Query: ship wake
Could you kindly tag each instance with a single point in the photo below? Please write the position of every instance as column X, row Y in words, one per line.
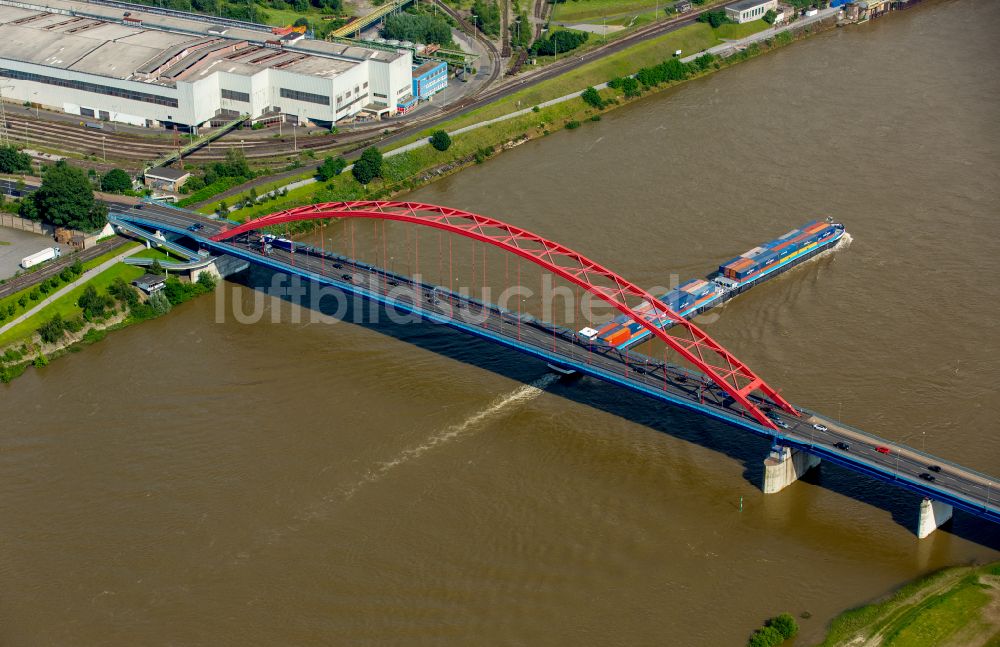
column 497, row 408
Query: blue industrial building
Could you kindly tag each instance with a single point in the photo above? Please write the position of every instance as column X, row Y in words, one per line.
column 429, row 79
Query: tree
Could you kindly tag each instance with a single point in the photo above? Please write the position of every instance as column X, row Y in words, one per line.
column 330, row 167
column 521, row 31
column 53, row 329
column 156, row 268
column 206, row 281
column 66, row 199
column 704, row 61
column 14, row 161
column 441, row 140
column 714, row 18
column 560, row 41
column 369, row 166
column 420, row 28
column 785, row 625
column 592, row 98
column 235, row 166
column 486, row 16
column 159, row 303
column 94, row 304
column 765, row 637
column 116, row 181
column 124, row 292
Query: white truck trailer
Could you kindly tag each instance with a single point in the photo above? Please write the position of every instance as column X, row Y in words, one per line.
column 37, row 258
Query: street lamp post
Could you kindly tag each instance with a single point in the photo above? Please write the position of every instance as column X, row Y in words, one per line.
column 104, row 150
column 898, row 453
column 3, row 116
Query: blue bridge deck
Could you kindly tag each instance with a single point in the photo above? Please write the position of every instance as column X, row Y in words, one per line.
column 865, row 453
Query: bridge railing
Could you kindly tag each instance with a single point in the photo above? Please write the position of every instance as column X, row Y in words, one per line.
column 878, row 440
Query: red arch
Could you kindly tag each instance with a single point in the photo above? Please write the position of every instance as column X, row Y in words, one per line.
column 709, row 356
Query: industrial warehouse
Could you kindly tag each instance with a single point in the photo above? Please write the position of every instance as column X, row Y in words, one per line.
column 148, row 69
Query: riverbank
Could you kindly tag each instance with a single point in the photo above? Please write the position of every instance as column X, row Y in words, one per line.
column 530, row 114
column 956, row 606
column 477, row 137
column 66, row 324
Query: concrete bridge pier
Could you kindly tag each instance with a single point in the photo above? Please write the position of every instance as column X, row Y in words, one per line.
column 933, row 514
column 784, row 465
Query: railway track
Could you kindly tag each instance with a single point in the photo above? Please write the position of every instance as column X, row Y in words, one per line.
column 117, row 146
column 23, row 281
column 505, row 30
column 491, row 49
column 123, row 146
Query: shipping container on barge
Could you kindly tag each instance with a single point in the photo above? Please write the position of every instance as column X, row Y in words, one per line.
column 733, row 277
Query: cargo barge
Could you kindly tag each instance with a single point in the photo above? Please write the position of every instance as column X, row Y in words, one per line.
column 733, row 278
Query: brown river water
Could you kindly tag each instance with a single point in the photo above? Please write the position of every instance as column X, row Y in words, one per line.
column 198, row 481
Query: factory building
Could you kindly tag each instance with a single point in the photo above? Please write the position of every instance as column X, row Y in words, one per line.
column 148, row 69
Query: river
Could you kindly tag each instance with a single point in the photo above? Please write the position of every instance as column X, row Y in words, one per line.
column 195, row 480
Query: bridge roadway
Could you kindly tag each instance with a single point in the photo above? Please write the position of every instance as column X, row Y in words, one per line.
column 958, row 486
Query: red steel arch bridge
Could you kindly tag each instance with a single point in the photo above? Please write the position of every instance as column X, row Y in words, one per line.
column 720, row 385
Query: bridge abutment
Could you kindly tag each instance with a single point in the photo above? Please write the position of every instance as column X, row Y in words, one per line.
column 933, row 514
column 784, row 465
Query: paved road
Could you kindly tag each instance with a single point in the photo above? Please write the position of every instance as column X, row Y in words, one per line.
column 86, row 276
column 902, row 462
column 976, row 492
column 15, row 244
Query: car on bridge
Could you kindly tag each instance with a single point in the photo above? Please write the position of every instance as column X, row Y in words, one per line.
column 882, row 449
column 773, row 417
column 927, row 477
column 819, row 427
column 842, row 445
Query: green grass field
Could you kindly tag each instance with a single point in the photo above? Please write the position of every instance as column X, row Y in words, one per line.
column 66, row 304
column 950, row 607
column 210, row 208
column 734, row 32
column 690, row 39
column 596, row 10
column 159, row 254
column 286, row 17
column 13, row 298
column 106, row 256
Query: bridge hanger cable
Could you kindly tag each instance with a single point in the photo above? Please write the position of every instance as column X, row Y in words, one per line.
column 694, row 345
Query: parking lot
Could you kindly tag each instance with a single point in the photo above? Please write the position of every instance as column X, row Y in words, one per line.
column 22, row 244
